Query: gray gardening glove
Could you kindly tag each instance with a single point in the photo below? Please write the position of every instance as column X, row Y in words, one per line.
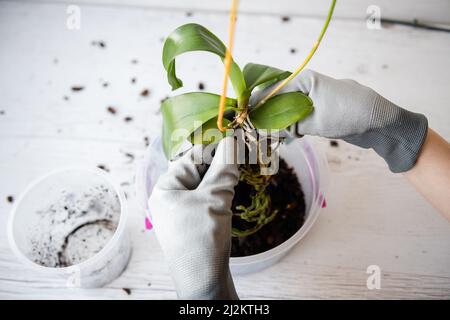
column 191, row 214
column 345, row 109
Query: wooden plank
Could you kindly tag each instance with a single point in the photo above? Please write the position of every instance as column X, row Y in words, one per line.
column 435, row 11
column 373, row 217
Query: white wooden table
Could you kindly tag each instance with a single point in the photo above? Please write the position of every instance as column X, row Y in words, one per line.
column 373, row 217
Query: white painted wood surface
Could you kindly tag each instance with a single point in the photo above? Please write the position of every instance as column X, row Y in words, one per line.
column 373, row 217
column 437, row 11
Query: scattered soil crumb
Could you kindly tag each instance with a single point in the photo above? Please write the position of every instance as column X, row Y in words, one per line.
column 10, row 199
column 103, row 167
column 130, row 156
column 127, row 290
column 128, row 119
column 189, row 14
column 293, row 50
column 77, row 88
column 149, row 284
column 133, row 80
column 112, row 110
column 105, row 84
column 146, row 141
column 124, row 184
column 201, row 86
column 384, row 66
column 134, row 61
column 145, row 93
column 285, row 18
column 66, row 98
column 334, row 143
column 2, row 112
column 100, row 44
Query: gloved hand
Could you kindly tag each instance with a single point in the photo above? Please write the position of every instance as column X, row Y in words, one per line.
column 191, row 215
column 345, row 109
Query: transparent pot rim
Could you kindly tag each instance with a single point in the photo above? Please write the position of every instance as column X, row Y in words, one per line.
column 318, row 200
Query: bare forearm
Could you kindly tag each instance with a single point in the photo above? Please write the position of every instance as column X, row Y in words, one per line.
column 431, row 173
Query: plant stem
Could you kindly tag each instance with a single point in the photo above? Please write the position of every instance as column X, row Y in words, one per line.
column 231, row 29
column 260, row 211
column 305, row 62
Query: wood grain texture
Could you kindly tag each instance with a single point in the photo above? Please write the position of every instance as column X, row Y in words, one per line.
column 435, row 11
column 373, row 217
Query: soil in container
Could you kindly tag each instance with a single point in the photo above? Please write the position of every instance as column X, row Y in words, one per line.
column 74, row 227
column 287, row 196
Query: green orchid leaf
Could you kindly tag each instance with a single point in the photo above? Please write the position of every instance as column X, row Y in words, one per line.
column 281, row 111
column 183, row 114
column 209, row 133
column 258, row 74
column 194, row 37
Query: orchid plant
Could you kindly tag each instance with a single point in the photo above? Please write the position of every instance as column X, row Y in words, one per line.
column 192, row 114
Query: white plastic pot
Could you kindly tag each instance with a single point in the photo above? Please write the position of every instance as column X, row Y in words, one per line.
column 309, row 165
column 77, row 213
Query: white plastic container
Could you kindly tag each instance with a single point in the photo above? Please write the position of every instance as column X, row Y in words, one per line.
column 70, row 225
column 309, row 165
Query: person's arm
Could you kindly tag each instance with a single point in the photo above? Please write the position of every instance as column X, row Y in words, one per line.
column 345, row 109
column 431, row 173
